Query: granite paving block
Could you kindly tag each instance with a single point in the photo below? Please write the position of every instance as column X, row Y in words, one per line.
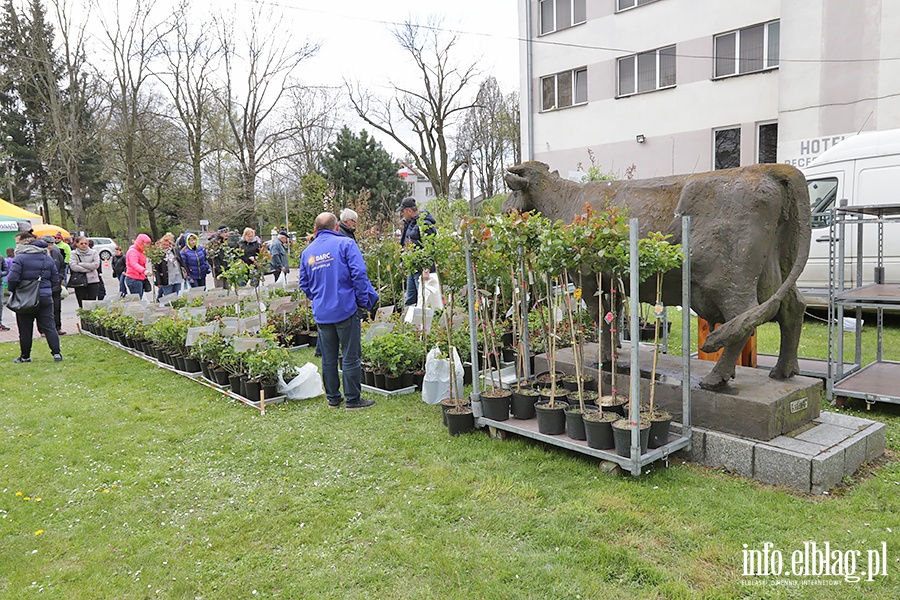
column 797, row 445
column 729, row 451
column 826, row 435
column 827, row 470
column 842, row 420
column 875, row 439
column 855, row 453
column 698, row 438
column 779, row 466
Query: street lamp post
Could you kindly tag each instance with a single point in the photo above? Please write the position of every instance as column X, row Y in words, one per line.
column 9, row 140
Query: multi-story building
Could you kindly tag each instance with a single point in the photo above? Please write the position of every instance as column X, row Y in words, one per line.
column 681, row 86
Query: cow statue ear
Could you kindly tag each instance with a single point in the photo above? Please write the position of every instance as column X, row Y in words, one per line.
column 555, row 173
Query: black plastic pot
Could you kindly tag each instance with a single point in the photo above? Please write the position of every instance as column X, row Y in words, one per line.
column 191, row 365
column 551, row 420
column 621, row 408
column 221, row 376
column 522, row 404
column 622, row 436
column 460, row 420
column 235, row 382
column 449, row 403
column 408, row 379
column 392, row 383
column 270, row 390
column 496, row 405
column 378, row 379
column 659, row 429
column 599, row 432
column 252, row 389
column 574, row 422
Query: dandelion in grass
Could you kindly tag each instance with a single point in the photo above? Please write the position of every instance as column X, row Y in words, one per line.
column 39, row 532
column 18, row 494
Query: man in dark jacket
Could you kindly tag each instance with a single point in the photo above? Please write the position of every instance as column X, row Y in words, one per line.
column 333, row 276
column 349, row 221
column 415, row 225
column 57, row 257
column 278, row 251
column 33, row 262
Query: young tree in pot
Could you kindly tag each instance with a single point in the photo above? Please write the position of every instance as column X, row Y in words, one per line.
column 604, row 234
column 447, row 250
column 554, row 256
column 657, row 256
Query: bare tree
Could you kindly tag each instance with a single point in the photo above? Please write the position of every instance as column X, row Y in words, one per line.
column 133, row 44
column 191, row 56
column 430, row 111
column 256, row 132
column 313, row 111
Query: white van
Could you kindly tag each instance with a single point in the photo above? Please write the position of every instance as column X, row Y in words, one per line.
column 864, row 170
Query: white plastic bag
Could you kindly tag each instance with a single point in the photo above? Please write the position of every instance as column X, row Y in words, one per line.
column 436, row 385
column 430, row 292
column 307, row 384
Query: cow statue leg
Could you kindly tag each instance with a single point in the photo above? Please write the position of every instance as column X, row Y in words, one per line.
column 790, row 321
column 723, row 372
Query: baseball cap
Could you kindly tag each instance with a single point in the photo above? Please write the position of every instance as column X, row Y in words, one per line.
column 408, row 202
column 58, row 235
column 223, row 229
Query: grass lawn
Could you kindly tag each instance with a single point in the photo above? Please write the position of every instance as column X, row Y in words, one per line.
column 121, row 480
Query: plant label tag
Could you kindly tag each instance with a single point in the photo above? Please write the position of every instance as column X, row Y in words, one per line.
column 262, row 306
column 530, row 277
column 608, row 318
column 659, row 310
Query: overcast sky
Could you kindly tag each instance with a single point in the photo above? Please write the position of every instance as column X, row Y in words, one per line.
column 355, row 37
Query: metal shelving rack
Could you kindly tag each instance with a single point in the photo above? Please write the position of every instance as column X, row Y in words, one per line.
column 877, row 381
column 636, row 461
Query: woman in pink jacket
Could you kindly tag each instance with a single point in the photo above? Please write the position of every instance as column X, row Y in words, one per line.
column 136, row 268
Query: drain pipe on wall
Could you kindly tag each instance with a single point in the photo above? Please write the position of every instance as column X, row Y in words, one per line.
column 529, row 68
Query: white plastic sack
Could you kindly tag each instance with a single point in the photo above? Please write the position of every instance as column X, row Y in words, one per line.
column 436, row 385
column 430, row 292
column 307, row 384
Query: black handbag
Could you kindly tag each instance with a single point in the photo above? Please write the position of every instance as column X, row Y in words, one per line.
column 26, row 298
column 147, row 286
column 77, row 279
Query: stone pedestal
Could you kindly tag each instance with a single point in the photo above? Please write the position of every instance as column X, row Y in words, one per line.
column 769, row 430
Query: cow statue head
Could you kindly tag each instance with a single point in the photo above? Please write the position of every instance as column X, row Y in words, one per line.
column 523, row 180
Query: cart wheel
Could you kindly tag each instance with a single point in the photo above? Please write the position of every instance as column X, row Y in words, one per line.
column 839, row 401
column 496, row 434
column 610, row 467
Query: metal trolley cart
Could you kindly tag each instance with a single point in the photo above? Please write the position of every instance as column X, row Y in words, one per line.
column 636, row 461
column 878, row 381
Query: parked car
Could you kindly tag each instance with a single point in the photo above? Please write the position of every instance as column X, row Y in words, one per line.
column 105, row 246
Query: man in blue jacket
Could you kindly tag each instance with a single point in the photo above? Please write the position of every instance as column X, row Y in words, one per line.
column 333, row 276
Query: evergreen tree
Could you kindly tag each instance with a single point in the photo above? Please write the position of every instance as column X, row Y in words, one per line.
column 357, row 162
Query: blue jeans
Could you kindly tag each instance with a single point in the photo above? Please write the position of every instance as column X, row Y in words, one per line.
column 165, row 290
column 346, row 336
column 412, row 295
column 123, row 291
column 200, row 283
column 135, row 286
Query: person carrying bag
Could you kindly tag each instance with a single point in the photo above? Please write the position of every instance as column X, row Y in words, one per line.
column 30, row 282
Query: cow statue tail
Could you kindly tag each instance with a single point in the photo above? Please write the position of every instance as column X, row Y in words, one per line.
column 798, row 210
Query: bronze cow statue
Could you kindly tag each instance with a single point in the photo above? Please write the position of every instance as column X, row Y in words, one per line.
column 750, row 234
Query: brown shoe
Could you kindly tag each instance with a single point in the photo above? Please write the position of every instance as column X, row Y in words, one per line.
column 60, row 332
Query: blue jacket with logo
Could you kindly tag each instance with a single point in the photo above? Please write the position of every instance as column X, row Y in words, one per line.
column 333, row 275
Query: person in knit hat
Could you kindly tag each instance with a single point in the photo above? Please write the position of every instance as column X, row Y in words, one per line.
column 136, row 267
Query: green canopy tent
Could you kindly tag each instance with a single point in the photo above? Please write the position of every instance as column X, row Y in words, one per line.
column 9, row 228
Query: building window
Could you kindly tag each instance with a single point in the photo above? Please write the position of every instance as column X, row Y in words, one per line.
column 727, row 148
column 626, row 4
column 560, row 14
column 767, row 141
column 647, row 71
column 429, row 192
column 747, row 50
column 564, row 89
